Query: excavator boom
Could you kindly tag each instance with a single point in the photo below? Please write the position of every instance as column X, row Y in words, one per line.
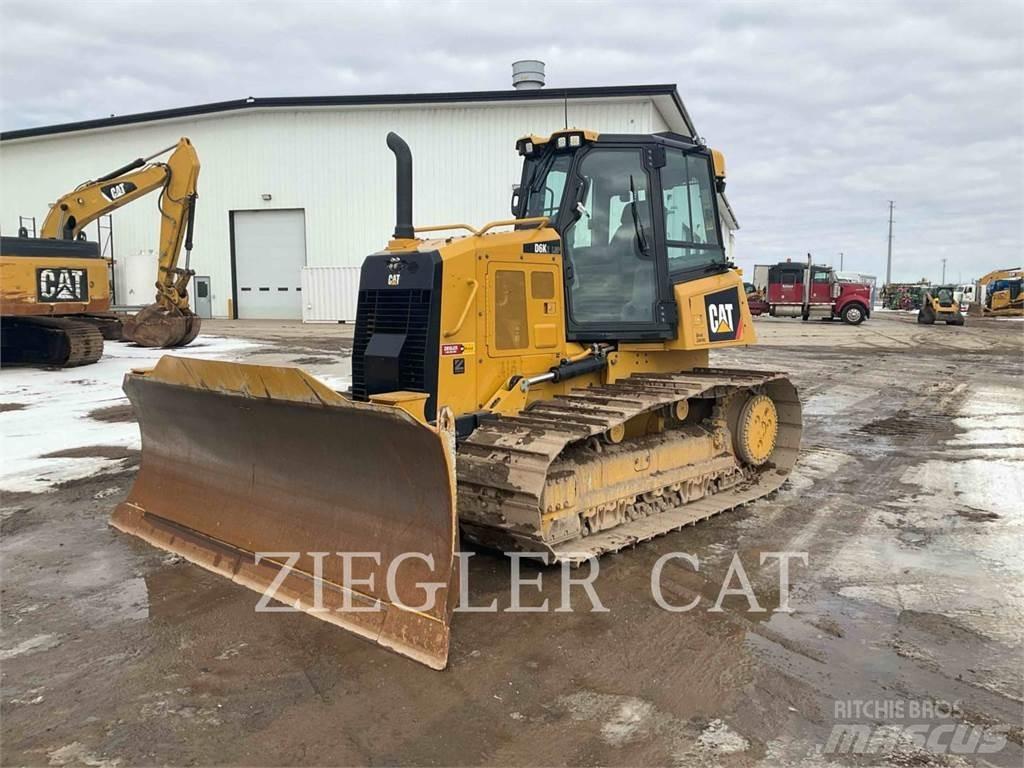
column 168, row 322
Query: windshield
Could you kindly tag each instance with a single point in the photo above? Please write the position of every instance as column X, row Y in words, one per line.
column 691, row 226
column 543, row 184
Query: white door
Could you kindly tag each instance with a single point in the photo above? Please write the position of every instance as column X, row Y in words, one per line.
column 270, row 252
column 202, row 299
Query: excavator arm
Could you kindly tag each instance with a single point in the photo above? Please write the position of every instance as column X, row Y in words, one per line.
column 168, row 322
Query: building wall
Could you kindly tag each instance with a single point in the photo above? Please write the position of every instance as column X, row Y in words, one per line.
column 331, row 162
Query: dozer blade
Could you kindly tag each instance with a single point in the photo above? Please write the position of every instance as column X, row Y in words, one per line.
column 155, row 326
column 245, row 459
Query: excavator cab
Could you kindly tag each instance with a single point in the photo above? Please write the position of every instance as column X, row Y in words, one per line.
column 1005, row 296
column 541, row 384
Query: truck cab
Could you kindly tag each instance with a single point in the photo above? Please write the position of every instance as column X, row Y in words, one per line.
column 805, row 290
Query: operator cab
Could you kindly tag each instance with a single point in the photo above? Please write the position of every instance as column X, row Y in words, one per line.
column 636, row 214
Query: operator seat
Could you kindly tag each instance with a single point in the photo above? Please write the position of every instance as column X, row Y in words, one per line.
column 636, row 271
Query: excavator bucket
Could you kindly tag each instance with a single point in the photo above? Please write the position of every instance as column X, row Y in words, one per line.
column 154, row 326
column 342, row 509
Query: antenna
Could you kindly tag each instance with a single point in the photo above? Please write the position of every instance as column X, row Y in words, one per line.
column 565, row 107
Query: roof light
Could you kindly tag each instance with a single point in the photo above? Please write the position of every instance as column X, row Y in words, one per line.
column 575, row 140
column 525, row 146
column 561, row 142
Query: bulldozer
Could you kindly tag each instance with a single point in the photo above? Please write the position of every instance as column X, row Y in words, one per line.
column 540, row 384
column 939, row 303
column 55, row 297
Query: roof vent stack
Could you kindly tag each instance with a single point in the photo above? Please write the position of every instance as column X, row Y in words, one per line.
column 528, row 75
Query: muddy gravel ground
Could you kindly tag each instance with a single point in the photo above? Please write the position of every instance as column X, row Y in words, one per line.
column 906, row 499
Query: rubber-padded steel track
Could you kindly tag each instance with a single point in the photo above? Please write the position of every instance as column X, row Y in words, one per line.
column 504, row 465
column 58, row 341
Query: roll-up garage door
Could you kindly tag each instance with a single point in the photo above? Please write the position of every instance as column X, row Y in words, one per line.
column 269, row 254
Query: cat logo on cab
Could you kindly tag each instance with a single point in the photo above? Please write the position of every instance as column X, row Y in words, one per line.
column 723, row 312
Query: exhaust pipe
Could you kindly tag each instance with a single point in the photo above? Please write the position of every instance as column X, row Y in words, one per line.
column 403, row 187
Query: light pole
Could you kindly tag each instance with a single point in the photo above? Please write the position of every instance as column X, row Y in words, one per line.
column 888, row 261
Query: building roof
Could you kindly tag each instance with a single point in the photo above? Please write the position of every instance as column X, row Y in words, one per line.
column 666, row 96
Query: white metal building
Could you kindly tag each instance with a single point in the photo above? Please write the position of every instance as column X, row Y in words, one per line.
column 288, row 183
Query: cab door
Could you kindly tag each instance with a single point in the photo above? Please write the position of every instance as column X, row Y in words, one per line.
column 821, row 286
column 615, row 265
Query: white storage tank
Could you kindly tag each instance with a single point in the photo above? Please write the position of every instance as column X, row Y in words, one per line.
column 135, row 278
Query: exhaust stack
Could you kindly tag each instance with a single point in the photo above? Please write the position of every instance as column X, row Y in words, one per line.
column 403, row 187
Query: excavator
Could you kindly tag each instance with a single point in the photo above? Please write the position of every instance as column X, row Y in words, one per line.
column 540, row 384
column 55, row 297
column 1002, row 293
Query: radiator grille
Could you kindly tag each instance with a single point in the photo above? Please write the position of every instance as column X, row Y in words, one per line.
column 392, row 311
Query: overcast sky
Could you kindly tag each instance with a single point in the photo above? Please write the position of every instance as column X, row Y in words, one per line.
column 825, row 111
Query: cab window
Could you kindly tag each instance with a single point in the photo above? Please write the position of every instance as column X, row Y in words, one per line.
column 610, row 247
column 691, row 227
column 544, row 182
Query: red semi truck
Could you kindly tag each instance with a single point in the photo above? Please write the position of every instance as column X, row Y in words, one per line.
column 806, row 290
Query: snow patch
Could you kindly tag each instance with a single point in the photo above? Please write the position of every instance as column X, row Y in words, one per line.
column 722, row 739
column 76, row 754
column 32, row 645
column 57, row 407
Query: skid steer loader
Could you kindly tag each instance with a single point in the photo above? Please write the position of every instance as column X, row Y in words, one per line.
column 939, row 303
column 541, row 383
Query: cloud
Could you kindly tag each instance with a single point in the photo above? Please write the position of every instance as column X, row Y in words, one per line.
column 825, row 110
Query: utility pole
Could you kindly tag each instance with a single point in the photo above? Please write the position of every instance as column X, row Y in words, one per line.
column 943, row 272
column 888, row 262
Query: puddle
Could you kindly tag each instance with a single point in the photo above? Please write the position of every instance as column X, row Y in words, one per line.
column 989, row 485
column 837, row 400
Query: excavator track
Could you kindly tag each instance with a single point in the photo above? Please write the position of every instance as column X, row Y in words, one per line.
column 604, row 468
column 63, row 342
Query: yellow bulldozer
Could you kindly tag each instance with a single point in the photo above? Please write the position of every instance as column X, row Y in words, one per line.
column 54, row 289
column 541, row 384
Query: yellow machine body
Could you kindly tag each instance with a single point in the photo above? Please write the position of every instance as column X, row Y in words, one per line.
column 480, row 402
column 939, row 303
column 504, row 315
column 52, row 286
